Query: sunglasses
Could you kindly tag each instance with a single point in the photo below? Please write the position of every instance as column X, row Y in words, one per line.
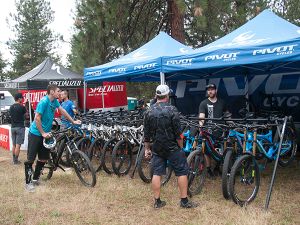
column 52, row 107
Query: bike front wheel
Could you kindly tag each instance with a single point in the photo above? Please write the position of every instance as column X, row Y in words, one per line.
column 83, row 168
column 95, row 152
column 144, row 167
column 197, row 164
column 122, row 158
column 229, row 160
column 244, row 180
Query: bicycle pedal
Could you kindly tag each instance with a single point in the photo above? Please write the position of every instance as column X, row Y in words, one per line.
column 261, row 167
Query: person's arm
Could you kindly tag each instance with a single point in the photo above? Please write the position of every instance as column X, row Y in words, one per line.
column 201, row 122
column 38, row 122
column 66, row 115
column 180, row 143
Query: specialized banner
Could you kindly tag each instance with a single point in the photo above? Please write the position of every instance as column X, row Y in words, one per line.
column 4, row 138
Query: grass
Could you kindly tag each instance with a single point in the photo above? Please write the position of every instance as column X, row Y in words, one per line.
column 123, row 200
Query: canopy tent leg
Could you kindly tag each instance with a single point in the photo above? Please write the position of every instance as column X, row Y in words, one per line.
column 29, row 106
column 162, row 78
column 84, row 97
column 102, row 99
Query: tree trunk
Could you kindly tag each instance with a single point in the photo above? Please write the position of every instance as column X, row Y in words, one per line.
column 176, row 21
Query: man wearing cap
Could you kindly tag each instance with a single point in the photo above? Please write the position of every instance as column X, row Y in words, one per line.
column 212, row 107
column 162, row 124
column 18, row 112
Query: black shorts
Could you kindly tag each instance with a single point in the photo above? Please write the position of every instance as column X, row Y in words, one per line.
column 35, row 146
column 178, row 161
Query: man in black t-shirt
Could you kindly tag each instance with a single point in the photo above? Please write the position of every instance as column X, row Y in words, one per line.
column 212, row 107
column 17, row 112
column 162, row 124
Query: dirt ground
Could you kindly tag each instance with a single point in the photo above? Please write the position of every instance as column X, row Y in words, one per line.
column 121, row 200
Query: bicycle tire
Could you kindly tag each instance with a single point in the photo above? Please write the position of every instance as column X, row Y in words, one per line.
column 73, row 147
column 238, row 183
column 54, row 127
column 122, row 153
column 107, row 155
column 164, row 178
column 241, row 103
column 84, row 145
column 95, row 152
column 230, row 157
column 83, row 168
column 198, row 169
column 144, row 167
column 289, row 139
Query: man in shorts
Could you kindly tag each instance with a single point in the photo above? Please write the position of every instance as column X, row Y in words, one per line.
column 39, row 130
column 212, row 107
column 162, row 124
column 69, row 106
column 18, row 112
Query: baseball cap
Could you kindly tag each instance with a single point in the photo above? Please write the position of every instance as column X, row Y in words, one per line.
column 162, row 90
column 18, row 95
column 211, row 85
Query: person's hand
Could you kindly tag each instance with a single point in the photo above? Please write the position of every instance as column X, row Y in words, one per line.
column 77, row 122
column 46, row 135
column 148, row 154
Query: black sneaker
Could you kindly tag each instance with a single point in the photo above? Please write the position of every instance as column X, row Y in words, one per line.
column 159, row 205
column 17, row 162
column 210, row 175
column 188, row 205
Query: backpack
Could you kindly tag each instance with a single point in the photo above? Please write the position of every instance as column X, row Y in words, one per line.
column 140, row 101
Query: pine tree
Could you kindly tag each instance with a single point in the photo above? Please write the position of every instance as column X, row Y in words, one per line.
column 34, row 41
column 3, row 64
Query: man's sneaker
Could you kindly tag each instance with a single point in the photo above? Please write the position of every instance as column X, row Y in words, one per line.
column 217, row 171
column 29, row 187
column 210, row 175
column 159, row 205
column 17, row 162
column 38, row 183
column 189, row 204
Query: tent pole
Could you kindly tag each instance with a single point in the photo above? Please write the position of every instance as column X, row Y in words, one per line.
column 246, row 87
column 102, row 98
column 84, row 97
column 162, row 78
column 29, row 106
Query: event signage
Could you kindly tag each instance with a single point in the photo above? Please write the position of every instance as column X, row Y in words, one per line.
column 66, row 83
column 4, row 138
column 279, row 50
column 11, row 85
column 225, row 57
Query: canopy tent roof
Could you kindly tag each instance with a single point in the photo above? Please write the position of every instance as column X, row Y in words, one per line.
column 143, row 64
column 265, row 45
column 48, row 72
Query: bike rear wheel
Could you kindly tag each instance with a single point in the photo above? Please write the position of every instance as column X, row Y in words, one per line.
column 122, row 158
column 83, row 168
column 84, row 145
column 197, row 164
column 240, row 107
column 288, row 147
column 48, row 169
column 244, row 180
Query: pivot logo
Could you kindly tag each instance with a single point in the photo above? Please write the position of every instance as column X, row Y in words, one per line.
column 183, row 51
column 242, row 39
column 139, row 53
column 96, row 73
column 119, row 70
column 279, row 50
column 56, row 68
column 183, row 62
column 152, row 65
column 225, row 57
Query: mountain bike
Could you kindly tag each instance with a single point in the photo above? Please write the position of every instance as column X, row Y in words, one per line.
column 245, row 174
column 78, row 160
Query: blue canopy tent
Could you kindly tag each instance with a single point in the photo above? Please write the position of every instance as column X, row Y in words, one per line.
column 143, row 64
column 267, row 44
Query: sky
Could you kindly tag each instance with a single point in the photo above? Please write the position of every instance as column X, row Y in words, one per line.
column 62, row 24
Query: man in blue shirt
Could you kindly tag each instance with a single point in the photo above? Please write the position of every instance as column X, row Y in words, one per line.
column 69, row 106
column 39, row 130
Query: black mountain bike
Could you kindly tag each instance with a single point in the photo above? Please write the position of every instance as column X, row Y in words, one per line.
column 78, row 160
